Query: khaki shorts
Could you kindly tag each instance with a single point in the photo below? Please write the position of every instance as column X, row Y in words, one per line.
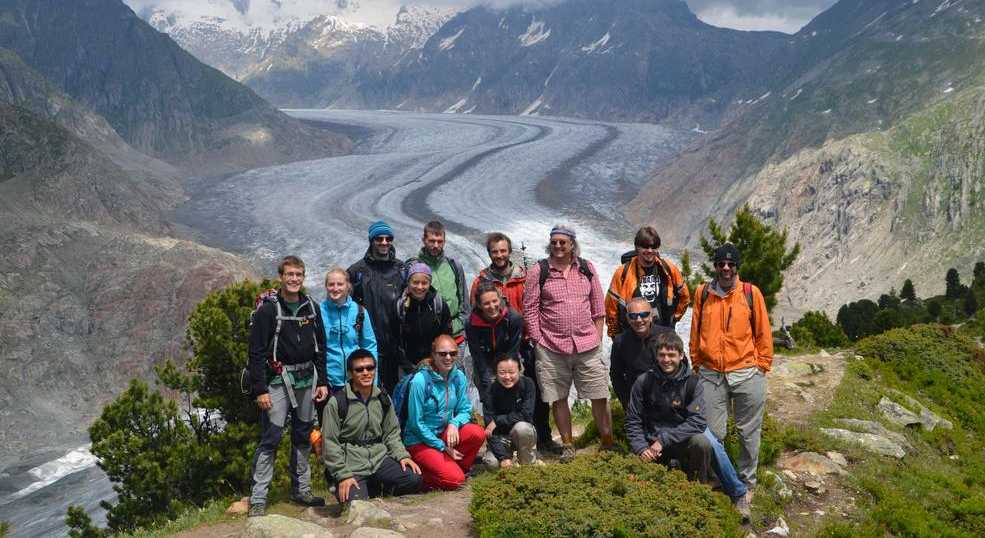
column 556, row 371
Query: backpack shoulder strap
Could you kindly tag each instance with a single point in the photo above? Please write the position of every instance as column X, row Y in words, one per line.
column 699, row 311
column 360, row 319
column 545, row 271
column 747, row 290
column 626, row 267
column 584, row 269
column 342, row 402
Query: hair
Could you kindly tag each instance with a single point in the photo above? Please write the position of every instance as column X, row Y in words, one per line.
column 647, row 236
column 496, row 237
column 434, row 227
column 289, row 260
column 337, row 271
column 357, row 355
column 503, row 357
column 669, row 340
column 575, row 249
column 485, row 287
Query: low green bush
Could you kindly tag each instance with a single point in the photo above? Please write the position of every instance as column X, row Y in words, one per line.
column 815, row 329
column 604, row 495
column 591, row 433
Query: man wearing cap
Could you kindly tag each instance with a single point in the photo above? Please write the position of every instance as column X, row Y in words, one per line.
column 563, row 307
column 732, row 350
column 376, row 283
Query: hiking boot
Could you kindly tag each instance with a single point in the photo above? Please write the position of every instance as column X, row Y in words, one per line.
column 257, row 510
column 744, row 507
column 550, row 447
column 567, row 453
column 307, row 499
column 610, row 448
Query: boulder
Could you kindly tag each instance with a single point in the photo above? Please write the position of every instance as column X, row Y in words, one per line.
column 874, row 428
column 780, row 486
column 239, row 507
column 897, row 414
column 869, row 441
column 837, row 457
column 781, row 528
column 928, row 418
column 815, row 487
column 373, row 532
column 810, row 462
column 365, row 513
column 278, row 526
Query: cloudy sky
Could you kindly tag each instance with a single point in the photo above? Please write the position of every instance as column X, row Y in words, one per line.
column 782, row 15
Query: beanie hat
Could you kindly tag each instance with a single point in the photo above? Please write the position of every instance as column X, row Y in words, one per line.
column 418, row 267
column 379, row 228
column 563, row 230
column 727, row 252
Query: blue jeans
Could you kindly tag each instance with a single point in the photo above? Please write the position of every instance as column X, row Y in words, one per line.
column 731, row 485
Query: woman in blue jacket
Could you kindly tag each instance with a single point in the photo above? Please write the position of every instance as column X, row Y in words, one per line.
column 347, row 327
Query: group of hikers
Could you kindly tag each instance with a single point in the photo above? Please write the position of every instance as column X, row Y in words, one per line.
column 385, row 364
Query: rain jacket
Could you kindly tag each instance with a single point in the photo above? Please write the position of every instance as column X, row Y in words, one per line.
column 488, row 339
column 430, row 412
column 672, row 291
column 511, row 286
column 727, row 341
column 356, row 448
column 376, row 284
column 418, row 324
column 661, row 409
column 341, row 337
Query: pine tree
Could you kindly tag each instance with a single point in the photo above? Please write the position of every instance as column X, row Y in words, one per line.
column 908, row 293
column 970, row 305
column 762, row 251
column 952, row 282
column 691, row 279
column 979, row 275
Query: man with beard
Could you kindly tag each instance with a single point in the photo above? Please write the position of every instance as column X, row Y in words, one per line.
column 377, row 281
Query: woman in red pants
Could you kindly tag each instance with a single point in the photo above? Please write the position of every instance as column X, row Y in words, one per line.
column 439, row 434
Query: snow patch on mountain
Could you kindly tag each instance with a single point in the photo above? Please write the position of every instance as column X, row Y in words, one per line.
column 534, row 107
column 457, row 106
column 535, row 33
column 592, row 47
column 449, row 42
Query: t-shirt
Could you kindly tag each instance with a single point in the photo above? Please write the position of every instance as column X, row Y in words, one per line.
column 649, row 289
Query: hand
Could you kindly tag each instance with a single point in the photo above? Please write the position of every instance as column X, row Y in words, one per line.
column 264, row 402
column 657, row 449
column 407, row 462
column 647, row 455
column 345, row 486
column 490, row 427
column 762, row 370
column 451, row 435
column 453, row 454
column 505, row 463
column 320, row 394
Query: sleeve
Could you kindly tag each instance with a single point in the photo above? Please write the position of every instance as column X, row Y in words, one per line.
column 472, row 290
column 463, row 406
column 531, row 303
column 259, row 350
column 464, row 305
column 355, row 278
column 612, row 304
column 515, row 338
column 480, row 362
column 694, row 424
column 683, row 293
column 446, row 319
column 764, row 333
column 320, row 355
column 369, row 341
column 487, row 406
column 415, row 414
column 596, row 297
column 332, row 454
column 617, row 367
column 391, row 435
column 694, row 341
column 634, row 419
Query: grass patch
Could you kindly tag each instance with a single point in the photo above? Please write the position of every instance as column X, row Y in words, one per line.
column 212, row 513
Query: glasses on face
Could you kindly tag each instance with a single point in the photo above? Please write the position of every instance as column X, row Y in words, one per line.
column 453, row 353
column 383, row 239
column 638, row 315
column 293, row 274
column 559, row 242
column 723, row 265
column 361, row 369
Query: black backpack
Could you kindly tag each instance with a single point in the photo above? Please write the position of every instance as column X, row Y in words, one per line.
column 545, row 270
column 342, row 402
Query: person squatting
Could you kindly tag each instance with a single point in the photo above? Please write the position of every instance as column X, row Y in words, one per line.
column 397, row 361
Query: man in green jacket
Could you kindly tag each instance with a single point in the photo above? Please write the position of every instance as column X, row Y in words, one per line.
column 361, row 445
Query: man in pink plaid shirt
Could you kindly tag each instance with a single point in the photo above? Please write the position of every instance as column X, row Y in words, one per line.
column 564, row 308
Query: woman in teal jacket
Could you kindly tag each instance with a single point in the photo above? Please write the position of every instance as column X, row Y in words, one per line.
column 345, row 329
column 439, row 433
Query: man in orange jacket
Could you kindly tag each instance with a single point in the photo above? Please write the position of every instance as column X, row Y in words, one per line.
column 732, row 349
column 651, row 277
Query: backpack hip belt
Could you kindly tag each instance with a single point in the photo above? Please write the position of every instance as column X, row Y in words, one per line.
column 287, row 374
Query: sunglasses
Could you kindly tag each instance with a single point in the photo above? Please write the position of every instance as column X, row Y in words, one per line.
column 446, row 353
column 382, row 239
column 722, row 265
column 638, row 315
column 362, row 369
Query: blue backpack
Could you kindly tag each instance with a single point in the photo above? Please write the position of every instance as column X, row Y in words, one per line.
column 401, row 394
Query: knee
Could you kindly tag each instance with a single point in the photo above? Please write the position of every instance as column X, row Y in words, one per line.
column 472, row 433
column 700, row 443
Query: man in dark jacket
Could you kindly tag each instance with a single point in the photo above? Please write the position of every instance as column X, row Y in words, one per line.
column 632, row 353
column 287, row 369
column 508, row 411
column 377, row 281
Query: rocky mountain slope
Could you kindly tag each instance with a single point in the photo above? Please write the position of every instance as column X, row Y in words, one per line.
column 157, row 97
column 865, row 147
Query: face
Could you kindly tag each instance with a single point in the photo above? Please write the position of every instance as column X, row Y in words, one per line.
column 726, row 271
column 363, row 372
column 418, row 286
column 381, row 245
column 668, row 360
column 336, row 287
column 292, row 279
column 647, row 254
column 561, row 246
column 640, row 318
column 434, row 244
column 507, row 373
column 499, row 254
column 443, row 355
column 490, row 305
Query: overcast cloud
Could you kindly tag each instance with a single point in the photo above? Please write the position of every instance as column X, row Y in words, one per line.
column 783, row 15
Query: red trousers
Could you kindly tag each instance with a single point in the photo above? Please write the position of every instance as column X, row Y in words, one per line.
column 439, row 469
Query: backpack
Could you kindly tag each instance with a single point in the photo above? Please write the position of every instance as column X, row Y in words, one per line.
column 342, row 402
column 358, row 325
column 271, row 296
column 545, row 270
column 746, row 290
column 436, row 306
column 401, row 394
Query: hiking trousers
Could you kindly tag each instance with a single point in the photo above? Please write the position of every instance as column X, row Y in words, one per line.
column 695, row 456
column 272, row 422
column 522, row 439
column 389, row 479
column 744, row 393
column 439, row 469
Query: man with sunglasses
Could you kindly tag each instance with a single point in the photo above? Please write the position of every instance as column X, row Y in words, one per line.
column 362, row 449
column 732, row 350
column 631, row 353
column 651, row 277
column 376, row 281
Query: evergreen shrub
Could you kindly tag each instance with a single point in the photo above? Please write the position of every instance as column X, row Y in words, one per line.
column 603, row 495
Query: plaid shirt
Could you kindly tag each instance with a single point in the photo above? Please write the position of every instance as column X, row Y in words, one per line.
column 561, row 317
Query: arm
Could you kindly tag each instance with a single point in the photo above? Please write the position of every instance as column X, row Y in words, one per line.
column 416, row 411
column 480, row 362
column 693, row 343
column 260, row 335
column 612, row 304
column 694, row 424
column 464, row 306
column 515, row 336
column 617, row 366
column 333, row 455
column 531, row 303
column 681, row 288
column 596, row 298
column 462, row 414
column 763, row 338
column 320, row 355
column 472, row 289
column 634, row 419
column 369, row 341
column 445, row 319
column 391, row 435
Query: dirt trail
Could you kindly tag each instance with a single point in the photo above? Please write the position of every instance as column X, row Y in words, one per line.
column 799, row 385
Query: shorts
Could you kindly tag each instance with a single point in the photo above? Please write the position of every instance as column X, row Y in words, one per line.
column 556, row 371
